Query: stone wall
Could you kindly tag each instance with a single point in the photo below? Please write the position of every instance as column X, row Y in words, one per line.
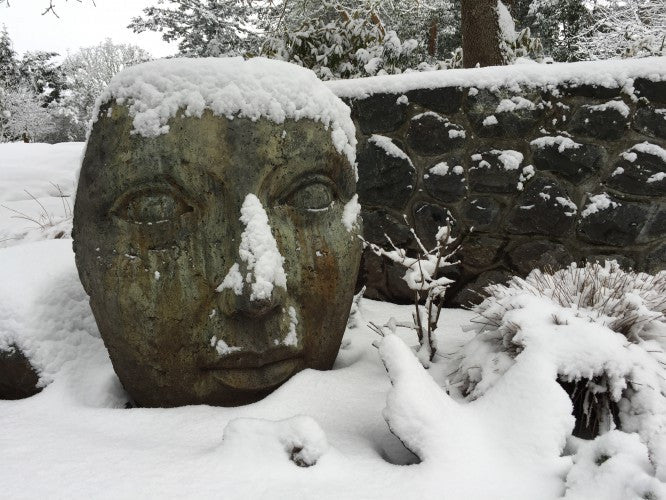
column 545, row 175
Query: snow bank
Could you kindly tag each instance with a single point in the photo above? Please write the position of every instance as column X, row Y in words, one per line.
column 37, row 187
column 299, row 439
column 255, row 88
column 611, row 73
column 44, row 310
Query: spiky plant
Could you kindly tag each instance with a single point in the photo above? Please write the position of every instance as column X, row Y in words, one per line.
column 626, row 302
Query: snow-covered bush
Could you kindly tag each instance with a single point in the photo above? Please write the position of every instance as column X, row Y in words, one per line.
column 23, row 116
column 423, row 276
column 338, row 41
column 605, row 326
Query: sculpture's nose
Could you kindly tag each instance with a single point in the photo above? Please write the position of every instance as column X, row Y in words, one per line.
column 231, row 303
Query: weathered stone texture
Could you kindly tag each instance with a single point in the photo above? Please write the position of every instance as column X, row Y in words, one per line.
column 430, row 134
column 384, row 180
column 576, row 140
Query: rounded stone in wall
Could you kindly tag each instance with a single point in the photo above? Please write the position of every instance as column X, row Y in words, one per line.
column 384, row 179
column 495, row 171
column 543, row 208
column 379, row 113
column 428, row 218
column 446, row 180
column 430, row 134
column 641, row 170
column 608, row 121
column 573, row 161
column 503, row 114
column 651, row 90
column 442, row 100
column 612, row 221
column 651, row 121
column 481, row 213
column 480, row 251
column 539, row 254
column 379, row 223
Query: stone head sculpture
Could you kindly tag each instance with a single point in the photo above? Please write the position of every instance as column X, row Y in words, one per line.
column 215, row 227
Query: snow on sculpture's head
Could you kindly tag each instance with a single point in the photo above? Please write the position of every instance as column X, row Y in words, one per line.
column 215, row 227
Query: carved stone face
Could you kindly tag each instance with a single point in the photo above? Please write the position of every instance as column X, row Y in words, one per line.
column 188, row 301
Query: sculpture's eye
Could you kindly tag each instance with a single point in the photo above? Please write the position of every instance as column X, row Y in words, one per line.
column 151, row 206
column 317, row 195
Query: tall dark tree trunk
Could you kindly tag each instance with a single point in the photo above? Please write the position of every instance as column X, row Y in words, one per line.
column 432, row 38
column 480, row 33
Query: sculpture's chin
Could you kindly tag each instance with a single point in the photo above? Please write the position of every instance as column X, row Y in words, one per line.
column 261, row 378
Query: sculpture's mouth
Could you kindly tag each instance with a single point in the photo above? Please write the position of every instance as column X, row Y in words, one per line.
column 252, row 371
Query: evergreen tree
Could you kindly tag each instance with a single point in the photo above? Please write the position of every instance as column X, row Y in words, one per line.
column 9, row 68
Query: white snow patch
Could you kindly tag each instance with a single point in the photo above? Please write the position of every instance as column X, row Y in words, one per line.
column 222, row 347
column 489, row 121
column 618, row 170
column 619, row 106
column 454, row 133
column 629, row 156
column 510, row 159
column 351, row 213
column 651, row 149
column 659, row 176
column 233, row 280
column 292, row 338
column 389, row 147
column 567, row 203
column 258, row 249
column 597, row 203
column 515, row 103
column 562, row 143
column 430, row 113
column 403, row 99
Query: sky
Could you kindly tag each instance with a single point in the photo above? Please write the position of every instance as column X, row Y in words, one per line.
column 78, row 25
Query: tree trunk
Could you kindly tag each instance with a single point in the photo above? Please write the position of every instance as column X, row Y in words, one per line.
column 480, row 33
column 432, row 38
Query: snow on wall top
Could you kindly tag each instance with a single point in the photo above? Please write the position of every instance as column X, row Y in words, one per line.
column 255, row 88
column 609, row 73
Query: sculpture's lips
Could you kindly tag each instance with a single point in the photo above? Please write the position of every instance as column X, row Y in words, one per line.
column 248, row 360
column 254, row 371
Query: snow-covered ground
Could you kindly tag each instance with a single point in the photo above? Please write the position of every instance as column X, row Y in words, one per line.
column 77, row 438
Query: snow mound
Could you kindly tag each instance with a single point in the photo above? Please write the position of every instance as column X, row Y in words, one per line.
column 44, row 311
column 299, row 439
column 618, row 73
column 597, row 326
column 256, row 88
column 615, row 466
column 526, row 417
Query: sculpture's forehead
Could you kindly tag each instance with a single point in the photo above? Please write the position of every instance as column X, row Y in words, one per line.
column 242, row 154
